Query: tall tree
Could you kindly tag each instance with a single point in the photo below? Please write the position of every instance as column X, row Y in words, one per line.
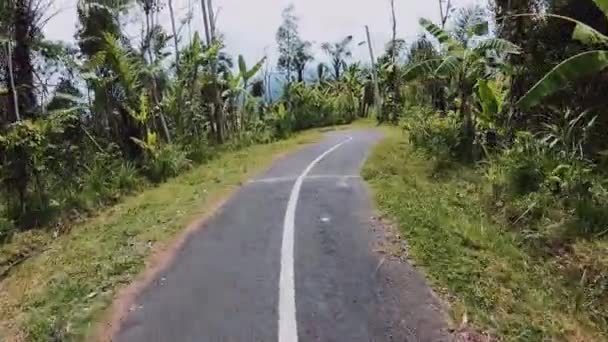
column 25, row 17
column 338, row 52
column 294, row 53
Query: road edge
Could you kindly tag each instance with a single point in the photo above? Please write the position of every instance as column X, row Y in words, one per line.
column 111, row 320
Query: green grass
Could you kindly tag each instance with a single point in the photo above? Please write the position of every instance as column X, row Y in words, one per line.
column 482, row 269
column 68, row 283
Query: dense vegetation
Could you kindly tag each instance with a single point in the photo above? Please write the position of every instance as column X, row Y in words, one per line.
column 507, row 186
column 90, row 124
column 511, row 195
column 81, row 125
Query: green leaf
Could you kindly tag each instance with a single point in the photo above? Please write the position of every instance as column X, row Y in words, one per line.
column 487, row 98
column 70, row 97
column 603, row 5
column 586, row 63
column 449, row 66
column 498, row 45
column 242, row 65
column 582, row 32
column 441, row 35
column 256, row 68
column 479, row 29
column 588, row 35
column 423, row 68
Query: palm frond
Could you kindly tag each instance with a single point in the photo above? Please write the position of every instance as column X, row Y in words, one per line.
column 441, row 35
column 448, row 67
column 582, row 32
column 426, row 67
column 255, row 69
column 242, row 65
column 603, row 5
column 583, row 64
column 499, row 45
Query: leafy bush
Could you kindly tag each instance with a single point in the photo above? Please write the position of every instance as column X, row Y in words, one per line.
column 519, row 169
column 427, row 130
column 530, row 178
column 37, row 157
column 199, row 150
column 166, row 162
column 126, row 177
column 6, row 229
column 281, row 122
column 321, row 106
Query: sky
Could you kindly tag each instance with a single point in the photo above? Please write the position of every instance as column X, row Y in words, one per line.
column 249, row 26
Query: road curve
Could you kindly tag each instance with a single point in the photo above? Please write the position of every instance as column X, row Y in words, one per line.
column 290, row 258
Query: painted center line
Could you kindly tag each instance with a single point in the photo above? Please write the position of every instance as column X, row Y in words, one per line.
column 312, row 177
column 288, row 326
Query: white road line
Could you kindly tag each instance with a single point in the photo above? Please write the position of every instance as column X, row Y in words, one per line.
column 288, row 326
column 289, row 179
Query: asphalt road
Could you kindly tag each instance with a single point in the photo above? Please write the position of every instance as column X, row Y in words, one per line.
column 290, row 258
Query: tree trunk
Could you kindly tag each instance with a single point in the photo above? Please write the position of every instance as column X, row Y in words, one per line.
column 468, row 129
column 175, row 40
column 217, row 107
column 337, row 66
column 11, row 77
column 211, row 19
column 395, row 84
column 377, row 98
column 206, row 22
column 394, row 40
column 22, row 58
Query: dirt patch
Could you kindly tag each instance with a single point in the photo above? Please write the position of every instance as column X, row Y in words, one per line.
column 405, row 295
column 425, row 314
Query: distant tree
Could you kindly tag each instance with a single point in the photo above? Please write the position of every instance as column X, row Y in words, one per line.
column 321, row 72
column 338, row 52
column 294, row 53
column 66, row 96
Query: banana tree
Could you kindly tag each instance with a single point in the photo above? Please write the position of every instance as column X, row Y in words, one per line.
column 238, row 85
column 575, row 67
column 464, row 66
column 351, row 87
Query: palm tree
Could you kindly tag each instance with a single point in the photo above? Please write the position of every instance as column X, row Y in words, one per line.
column 338, row 52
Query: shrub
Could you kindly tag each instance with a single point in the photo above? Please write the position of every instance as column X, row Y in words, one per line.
column 199, row 150
column 431, row 132
column 281, row 122
column 126, row 177
column 6, row 229
column 166, row 162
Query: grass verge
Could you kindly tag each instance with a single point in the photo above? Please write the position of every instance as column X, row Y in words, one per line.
column 483, row 269
column 56, row 294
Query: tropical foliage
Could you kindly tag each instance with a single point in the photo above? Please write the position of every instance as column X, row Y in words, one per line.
column 517, row 98
column 84, row 124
